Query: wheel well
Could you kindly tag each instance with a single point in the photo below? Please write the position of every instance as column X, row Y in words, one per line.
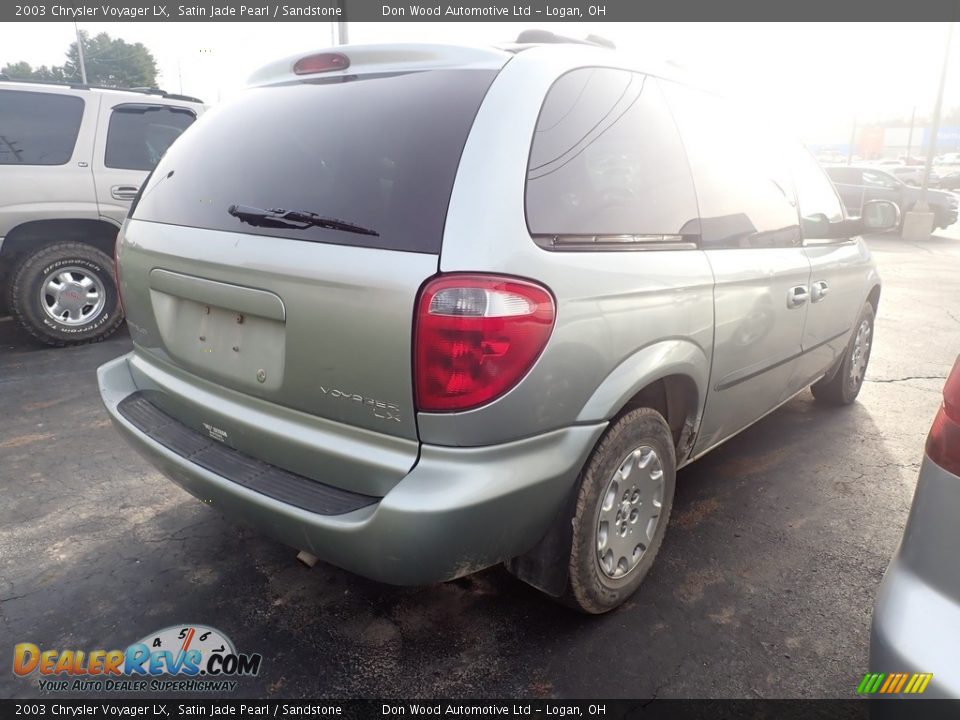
column 874, row 298
column 38, row 233
column 674, row 396
column 545, row 565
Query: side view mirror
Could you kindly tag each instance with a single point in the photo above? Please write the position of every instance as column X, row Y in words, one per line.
column 879, row 215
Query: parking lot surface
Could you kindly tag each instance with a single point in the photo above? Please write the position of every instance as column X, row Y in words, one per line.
column 763, row 588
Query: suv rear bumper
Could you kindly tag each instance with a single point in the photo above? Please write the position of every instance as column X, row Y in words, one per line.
column 458, row 510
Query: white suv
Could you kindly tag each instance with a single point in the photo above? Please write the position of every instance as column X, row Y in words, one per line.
column 72, row 159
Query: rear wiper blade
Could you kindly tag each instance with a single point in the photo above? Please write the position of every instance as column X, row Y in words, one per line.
column 294, row 219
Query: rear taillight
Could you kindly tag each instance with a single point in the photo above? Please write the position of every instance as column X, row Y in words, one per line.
column 943, row 442
column 476, row 336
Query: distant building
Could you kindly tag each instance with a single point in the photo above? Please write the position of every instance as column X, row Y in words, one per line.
column 878, row 143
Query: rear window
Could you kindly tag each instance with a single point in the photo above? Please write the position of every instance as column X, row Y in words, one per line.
column 38, row 128
column 140, row 134
column 379, row 152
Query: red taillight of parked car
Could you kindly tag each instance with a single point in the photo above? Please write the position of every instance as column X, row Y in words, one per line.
column 476, row 336
column 943, row 443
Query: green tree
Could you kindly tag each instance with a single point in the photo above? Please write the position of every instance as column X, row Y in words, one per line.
column 18, row 71
column 111, row 62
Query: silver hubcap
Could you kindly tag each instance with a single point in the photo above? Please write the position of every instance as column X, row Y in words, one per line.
column 72, row 296
column 861, row 352
column 629, row 512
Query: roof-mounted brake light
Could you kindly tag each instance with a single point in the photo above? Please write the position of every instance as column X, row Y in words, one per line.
column 321, row 62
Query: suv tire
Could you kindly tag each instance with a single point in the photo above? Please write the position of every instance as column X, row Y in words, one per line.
column 625, row 498
column 843, row 385
column 82, row 304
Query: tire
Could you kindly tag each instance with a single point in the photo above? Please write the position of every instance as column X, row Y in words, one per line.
column 591, row 588
column 842, row 386
column 83, row 277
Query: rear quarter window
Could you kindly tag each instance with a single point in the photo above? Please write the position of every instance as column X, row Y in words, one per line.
column 607, row 160
column 139, row 134
column 377, row 151
column 38, row 128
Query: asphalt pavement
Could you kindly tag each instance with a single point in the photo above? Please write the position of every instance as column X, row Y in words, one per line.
column 763, row 588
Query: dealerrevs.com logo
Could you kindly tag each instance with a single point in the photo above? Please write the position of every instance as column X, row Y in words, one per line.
column 181, row 658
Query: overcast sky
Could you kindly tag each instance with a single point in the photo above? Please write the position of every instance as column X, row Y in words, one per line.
column 812, row 75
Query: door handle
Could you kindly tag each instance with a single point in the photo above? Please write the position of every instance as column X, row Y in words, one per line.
column 818, row 291
column 797, row 296
column 124, row 192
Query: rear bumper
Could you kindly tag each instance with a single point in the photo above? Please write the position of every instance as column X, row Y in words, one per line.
column 457, row 511
column 916, row 619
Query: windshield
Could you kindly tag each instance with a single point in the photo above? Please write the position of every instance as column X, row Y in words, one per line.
column 377, row 152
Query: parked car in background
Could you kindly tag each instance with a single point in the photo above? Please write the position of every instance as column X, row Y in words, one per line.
column 859, row 184
column 831, row 156
column 916, row 620
column 912, row 174
column 418, row 348
column 912, row 160
column 950, row 181
column 72, row 159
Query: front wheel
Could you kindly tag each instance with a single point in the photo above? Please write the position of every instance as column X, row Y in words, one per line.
column 843, row 386
column 64, row 294
column 624, row 502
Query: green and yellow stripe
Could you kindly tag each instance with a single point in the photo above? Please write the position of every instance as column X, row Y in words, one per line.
column 894, row 683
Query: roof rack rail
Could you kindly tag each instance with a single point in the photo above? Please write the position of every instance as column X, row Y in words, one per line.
column 158, row 91
column 82, row 86
column 545, row 36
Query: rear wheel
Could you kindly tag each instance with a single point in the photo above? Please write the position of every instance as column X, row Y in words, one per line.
column 843, row 386
column 64, row 294
column 624, row 502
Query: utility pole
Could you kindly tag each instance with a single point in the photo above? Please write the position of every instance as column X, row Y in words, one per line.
column 83, row 68
column 342, row 36
column 853, row 139
column 913, row 117
column 935, row 127
column 918, row 222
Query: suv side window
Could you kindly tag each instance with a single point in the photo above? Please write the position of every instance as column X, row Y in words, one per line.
column 816, row 196
column 139, row 135
column 845, row 175
column 742, row 177
column 607, row 160
column 871, row 178
column 38, row 128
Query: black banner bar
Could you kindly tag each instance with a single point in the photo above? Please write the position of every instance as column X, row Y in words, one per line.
column 535, row 11
column 166, row 709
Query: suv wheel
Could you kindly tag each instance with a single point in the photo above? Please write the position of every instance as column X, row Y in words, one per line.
column 64, row 294
column 843, row 385
column 624, row 502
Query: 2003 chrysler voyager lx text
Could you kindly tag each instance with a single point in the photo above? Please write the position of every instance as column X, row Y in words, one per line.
column 418, row 310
